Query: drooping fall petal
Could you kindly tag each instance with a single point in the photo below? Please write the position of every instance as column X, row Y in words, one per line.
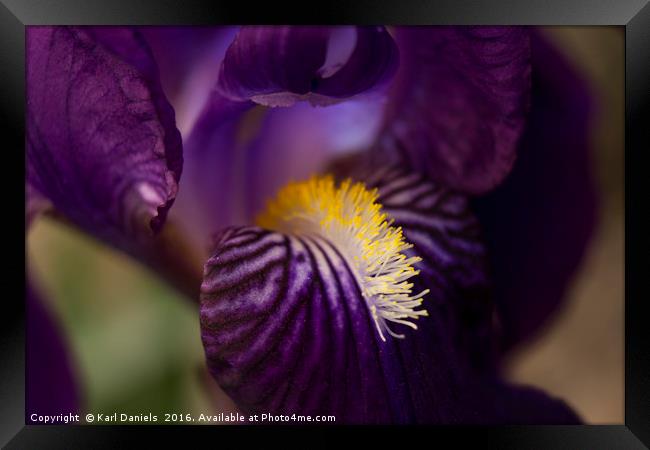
column 448, row 238
column 287, row 328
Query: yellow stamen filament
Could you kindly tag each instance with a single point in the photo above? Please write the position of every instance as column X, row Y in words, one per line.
column 349, row 217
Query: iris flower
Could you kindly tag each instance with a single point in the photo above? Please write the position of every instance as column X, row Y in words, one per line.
column 380, row 214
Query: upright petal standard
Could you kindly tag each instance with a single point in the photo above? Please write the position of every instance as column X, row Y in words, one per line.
column 539, row 222
column 277, row 66
column 459, row 103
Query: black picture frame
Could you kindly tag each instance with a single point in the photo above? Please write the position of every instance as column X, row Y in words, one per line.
column 634, row 15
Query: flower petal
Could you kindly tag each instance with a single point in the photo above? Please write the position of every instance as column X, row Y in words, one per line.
column 237, row 158
column 286, row 328
column 459, row 103
column 189, row 58
column 372, row 63
column 50, row 380
column 211, row 195
column 448, row 238
column 129, row 45
column 274, row 308
column 535, row 251
column 101, row 142
column 276, row 66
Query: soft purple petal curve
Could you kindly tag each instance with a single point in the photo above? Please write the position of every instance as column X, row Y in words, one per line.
column 189, row 59
column 211, row 195
column 277, row 66
column 539, row 222
column 459, row 102
column 51, row 388
column 286, row 329
column 237, row 155
column 102, row 146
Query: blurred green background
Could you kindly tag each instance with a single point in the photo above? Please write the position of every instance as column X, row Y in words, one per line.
column 136, row 342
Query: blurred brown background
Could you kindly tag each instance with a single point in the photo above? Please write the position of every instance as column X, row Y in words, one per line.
column 137, row 343
column 580, row 356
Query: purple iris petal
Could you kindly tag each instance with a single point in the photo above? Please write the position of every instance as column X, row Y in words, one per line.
column 445, row 233
column 459, row 102
column 50, row 379
column 277, row 66
column 129, row 45
column 286, row 329
column 101, row 142
column 189, row 59
column 539, row 222
column 373, row 62
column 211, row 195
column 448, row 238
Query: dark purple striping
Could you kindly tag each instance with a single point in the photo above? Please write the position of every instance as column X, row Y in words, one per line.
column 286, row 329
column 307, row 326
column 447, row 236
